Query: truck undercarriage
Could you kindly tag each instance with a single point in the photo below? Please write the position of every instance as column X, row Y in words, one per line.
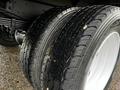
column 65, row 44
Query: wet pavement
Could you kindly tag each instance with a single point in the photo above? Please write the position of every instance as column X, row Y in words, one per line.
column 12, row 77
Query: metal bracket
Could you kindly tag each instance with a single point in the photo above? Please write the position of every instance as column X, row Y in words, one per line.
column 19, row 36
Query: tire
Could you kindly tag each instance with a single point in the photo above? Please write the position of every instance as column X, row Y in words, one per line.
column 82, row 38
column 41, row 35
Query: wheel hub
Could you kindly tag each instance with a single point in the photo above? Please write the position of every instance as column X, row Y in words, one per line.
column 103, row 62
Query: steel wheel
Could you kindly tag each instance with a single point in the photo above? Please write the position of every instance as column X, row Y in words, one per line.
column 103, row 62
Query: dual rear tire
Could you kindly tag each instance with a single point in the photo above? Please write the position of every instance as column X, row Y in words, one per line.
column 73, row 49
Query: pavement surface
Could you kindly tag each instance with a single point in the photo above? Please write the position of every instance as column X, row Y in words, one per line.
column 12, row 77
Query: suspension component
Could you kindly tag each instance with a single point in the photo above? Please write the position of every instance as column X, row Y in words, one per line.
column 19, row 35
column 11, row 28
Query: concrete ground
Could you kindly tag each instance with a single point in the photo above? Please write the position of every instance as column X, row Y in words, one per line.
column 11, row 75
column 12, row 78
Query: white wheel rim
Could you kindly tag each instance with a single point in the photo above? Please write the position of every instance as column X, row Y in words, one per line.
column 103, row 62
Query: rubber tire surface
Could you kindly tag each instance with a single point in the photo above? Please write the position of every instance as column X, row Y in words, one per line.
column 41, row 34
column 80, row 38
